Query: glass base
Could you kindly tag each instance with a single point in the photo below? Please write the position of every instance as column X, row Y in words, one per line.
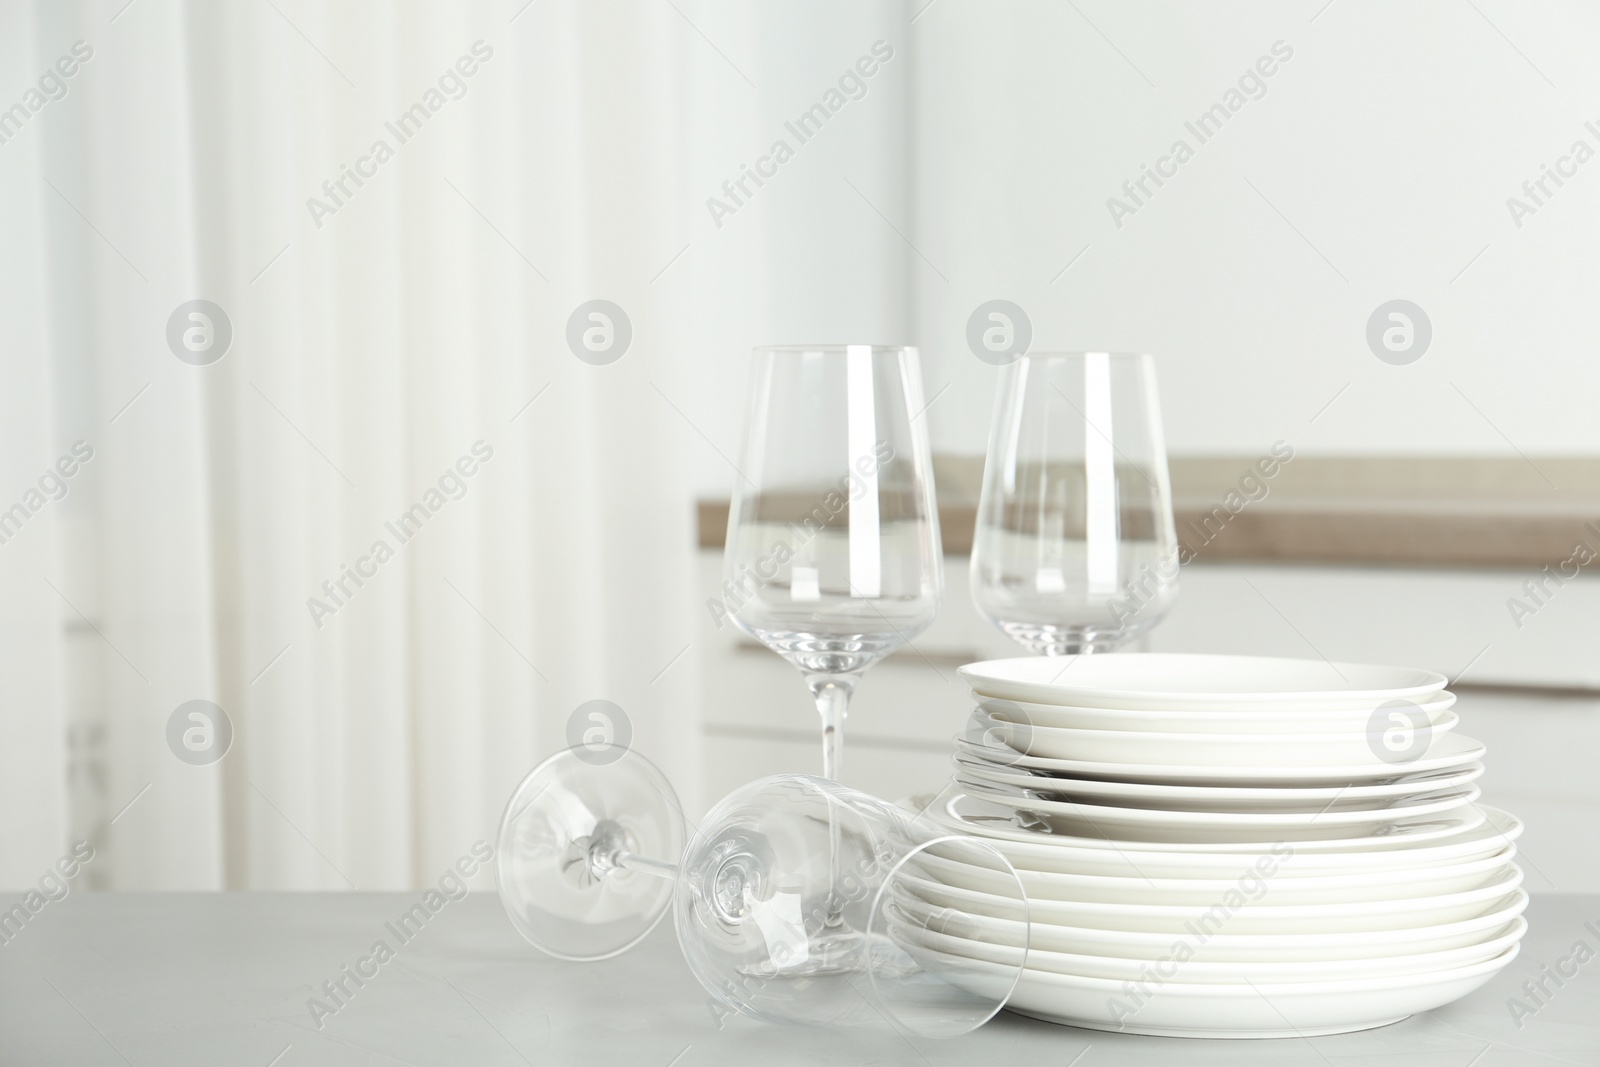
column 563, row 837
column 1047, row 640
column 828, row 653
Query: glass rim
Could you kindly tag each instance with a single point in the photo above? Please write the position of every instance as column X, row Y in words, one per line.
column 829, row 349
column 978, row 844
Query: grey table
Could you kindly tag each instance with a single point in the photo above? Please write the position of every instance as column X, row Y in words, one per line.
column 224, row 979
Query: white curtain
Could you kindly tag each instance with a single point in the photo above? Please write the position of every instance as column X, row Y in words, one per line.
column 373, row 346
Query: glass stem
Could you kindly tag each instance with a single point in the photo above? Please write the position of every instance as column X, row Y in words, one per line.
column 607, row 851
column 660, row 868
column 832, row 693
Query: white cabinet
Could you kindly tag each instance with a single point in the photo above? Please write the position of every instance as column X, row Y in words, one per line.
column 759, row 719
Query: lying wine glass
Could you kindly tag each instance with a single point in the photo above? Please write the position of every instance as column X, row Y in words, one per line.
column 592, row 855
column 1075, row 550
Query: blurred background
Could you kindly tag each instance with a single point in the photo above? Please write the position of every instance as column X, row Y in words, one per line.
column 186, row 488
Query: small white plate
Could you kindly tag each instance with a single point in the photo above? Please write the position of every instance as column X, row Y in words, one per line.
column 1154, row 824
column 1117, row 969
column 1247, row 1010
column 1233, row 912
column 1156, row 681
column 987, row 819
column 1218, row 798
column 1209, row 750
column 1267, row 881
column 1223, row 947
column 1254, row 720
column 1450, row 751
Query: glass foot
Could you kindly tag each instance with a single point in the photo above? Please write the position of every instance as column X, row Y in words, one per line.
column 561, row 838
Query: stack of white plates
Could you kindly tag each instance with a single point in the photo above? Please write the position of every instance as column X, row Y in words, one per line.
column 1223, row 846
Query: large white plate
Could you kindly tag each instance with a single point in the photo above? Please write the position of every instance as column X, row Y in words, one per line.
column 1253, row 720
column 1203, row 750
column 1297, row 1009
column 1213, row 797
column 1233, row 912
column 1224, row 947
column 1446, row 752
column 1178, row 680
column 1153, row 824
column 1071, row 855
column 1343, row 887
column 985, row 818
column 1117, row 969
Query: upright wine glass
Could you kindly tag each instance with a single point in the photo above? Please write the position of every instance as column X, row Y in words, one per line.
column 591, row 857
column 1075, row 549
column 833, row 557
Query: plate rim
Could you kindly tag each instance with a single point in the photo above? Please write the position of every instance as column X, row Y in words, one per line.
column 1516, row 907
column 1427, row 681
column 1449, row 776
column 1125, row 771
column 1499, row 890
column 1123, row 815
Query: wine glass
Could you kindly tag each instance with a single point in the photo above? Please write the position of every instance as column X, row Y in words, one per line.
column 1075, row 549
column 833, row 557
column 591, row 856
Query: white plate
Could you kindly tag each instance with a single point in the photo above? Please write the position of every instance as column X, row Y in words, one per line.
column 1153, row 824
column 1224, row 947
column 1117, row 969
column 1296, row 1009
column 984, row 818
column 1271, row 720
column 1176, row 681
column 1216, row 798
column 1069, row 855
column 1202, row 750
column 1450, row 751
column 1317, row 889
column 1233, row 913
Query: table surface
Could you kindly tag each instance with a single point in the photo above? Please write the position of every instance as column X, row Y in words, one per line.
column 174, row 979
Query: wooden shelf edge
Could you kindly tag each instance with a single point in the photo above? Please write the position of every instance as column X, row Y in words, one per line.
column 1462, row 539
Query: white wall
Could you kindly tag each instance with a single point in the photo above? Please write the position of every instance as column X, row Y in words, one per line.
column 1391, row 140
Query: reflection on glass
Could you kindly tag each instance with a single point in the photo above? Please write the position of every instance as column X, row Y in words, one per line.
column 1075, row 549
